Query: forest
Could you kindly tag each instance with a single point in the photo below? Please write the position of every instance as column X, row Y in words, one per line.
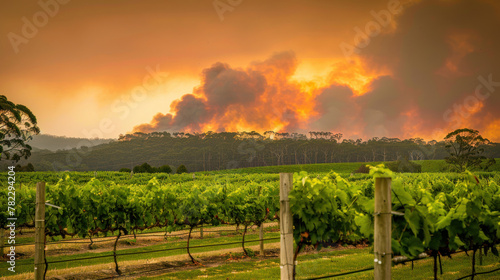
column 227, row 150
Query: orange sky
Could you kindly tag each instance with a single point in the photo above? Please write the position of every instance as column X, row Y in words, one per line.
column 86, row 70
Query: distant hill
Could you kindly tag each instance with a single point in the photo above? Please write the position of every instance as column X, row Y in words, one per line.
column 54, row 143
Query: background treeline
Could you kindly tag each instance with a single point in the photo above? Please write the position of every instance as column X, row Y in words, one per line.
column 146, row 168
column 54, row 143
column 227, row 150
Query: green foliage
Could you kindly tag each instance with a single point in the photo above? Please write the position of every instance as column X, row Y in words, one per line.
column 323, row 210
column 465, row 147
column 27, row 168
column 441, row 216
column 17, row 126
column 146, row 168
column 164, row 169
column 380, row 171
column 488, row 163
column 442, row 212
column 126, row 170
column 97, row 207
column 181, row 169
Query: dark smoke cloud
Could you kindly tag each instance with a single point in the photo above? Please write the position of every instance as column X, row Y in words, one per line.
column 224, row 86
column 227, row 93
column 382, row 108
column 335, row 106
column 190, row 113
column 430, row 35
column 435, row 56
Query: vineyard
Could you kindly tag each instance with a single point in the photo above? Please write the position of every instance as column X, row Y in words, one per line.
column 438, row 214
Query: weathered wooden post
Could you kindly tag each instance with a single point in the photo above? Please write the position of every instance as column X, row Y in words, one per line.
column 201, row 231
column 382, row 247
column 286, row 227
column 40, row 231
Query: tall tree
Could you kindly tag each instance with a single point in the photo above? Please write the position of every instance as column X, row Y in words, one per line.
column 17, row 126
column 465, row 147
column 181, row 169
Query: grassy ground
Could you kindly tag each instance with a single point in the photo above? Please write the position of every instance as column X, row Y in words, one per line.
column 317, row 265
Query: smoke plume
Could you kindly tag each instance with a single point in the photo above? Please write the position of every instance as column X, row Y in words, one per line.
column 437, row 57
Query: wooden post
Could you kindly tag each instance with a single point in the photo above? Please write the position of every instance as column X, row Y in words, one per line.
column 382, row 247
column 40, row 231
column 261, row 236
column 261, row 232
column 201, row 231
column 286, row 227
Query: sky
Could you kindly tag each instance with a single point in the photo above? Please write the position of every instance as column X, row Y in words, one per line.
column 366, row 69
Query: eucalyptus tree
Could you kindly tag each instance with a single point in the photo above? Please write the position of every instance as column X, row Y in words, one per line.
column 466, row 148
column 17, row 126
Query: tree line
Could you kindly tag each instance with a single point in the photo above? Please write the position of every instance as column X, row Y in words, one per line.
column 146, row 168
column 227, row 150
